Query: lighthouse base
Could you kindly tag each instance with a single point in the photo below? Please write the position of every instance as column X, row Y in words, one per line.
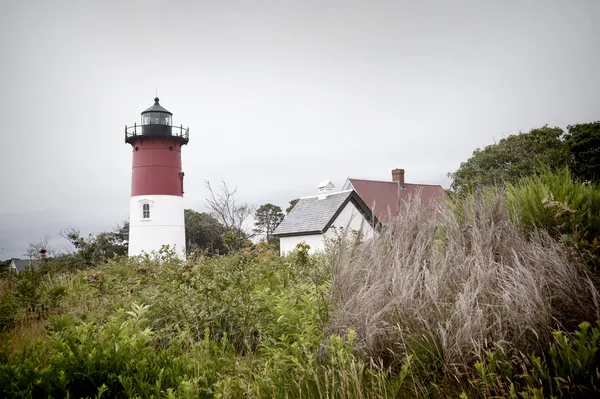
column 154, row 221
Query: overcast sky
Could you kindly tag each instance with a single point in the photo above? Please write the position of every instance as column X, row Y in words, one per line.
column 278, row 95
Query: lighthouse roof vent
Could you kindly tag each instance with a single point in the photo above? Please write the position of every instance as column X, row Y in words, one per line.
column 156, row 108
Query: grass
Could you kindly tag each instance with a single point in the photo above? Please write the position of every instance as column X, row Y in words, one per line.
column 449, row 287
column 23, row 335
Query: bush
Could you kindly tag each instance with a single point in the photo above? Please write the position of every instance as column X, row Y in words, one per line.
column 9, row 311
column 569, row 368
column 445, row 287
column 569, row 210
column 261, row 319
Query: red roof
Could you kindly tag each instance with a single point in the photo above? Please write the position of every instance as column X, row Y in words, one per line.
column 383, row 197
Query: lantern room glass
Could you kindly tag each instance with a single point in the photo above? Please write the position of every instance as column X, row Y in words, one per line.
column 156, row 118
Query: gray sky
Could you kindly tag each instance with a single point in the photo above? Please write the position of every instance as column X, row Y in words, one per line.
column 278, row 95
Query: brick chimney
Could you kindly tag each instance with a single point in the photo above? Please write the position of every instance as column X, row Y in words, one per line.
column 398, row 176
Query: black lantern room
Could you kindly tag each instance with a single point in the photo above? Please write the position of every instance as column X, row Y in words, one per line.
column 156, row 122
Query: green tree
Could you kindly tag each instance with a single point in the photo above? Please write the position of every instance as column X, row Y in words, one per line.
column 511, row 158
column 292, row 204
column 4, row 265
column 267, row 218
column 203, row 232
column 97, row 248
column 583, row 142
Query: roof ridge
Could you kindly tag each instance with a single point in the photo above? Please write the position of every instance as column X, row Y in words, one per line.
column 388, row 181
column 328, row 194
column 423, row 184
column 378, row 181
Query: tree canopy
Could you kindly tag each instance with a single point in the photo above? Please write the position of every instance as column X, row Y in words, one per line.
column 203, row 232
column 583, row 143
column 524, row 154
column 267, row 218
column 96, row 248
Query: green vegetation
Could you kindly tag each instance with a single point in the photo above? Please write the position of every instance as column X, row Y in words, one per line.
column 474, row 302
column 493, row 295
column 203, row 233
column 566, row 208
column 524, row 154
column 228, row 326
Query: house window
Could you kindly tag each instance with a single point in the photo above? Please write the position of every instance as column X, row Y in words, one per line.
column 146, row 211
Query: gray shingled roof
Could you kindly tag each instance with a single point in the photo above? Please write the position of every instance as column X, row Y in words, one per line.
column 312, row 214
column 21, row 264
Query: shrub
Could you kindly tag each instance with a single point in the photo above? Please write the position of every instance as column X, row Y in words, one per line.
column 569, row 210
column 9, row 311
column 569, row 368
column 445, row 287
column 125, row 357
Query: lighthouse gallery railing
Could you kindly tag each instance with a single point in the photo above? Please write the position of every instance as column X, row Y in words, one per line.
column 138, row 131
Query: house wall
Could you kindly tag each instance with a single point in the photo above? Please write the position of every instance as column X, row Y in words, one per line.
column 288, row 244
column 348, row 219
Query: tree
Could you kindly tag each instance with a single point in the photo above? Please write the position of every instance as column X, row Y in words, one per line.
column 231, row 215
column 511, row 158
column 121, row 236
column 583, row 142
column 203, row 232
column 267, row 218
column 34, row 248
column 292, row 204
column 98, row 248
column 4, row 265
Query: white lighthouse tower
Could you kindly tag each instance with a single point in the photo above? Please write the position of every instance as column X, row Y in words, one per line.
column 156, row 206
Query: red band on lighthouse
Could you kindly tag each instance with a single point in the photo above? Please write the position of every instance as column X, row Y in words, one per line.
column 156, row 167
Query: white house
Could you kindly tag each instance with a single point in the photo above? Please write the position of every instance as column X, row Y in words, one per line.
column 361, row 205
column 314, row 219
column 18, row 265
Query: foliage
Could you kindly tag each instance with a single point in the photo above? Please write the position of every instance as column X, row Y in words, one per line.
column 228, row 326
column 569, row 210
column 524, row 154
column 203, row 232
column 512, row 157
column 266, row 220
column 97, row 248
column 9, row 308
column 569, row 368
column 583, row 142
column 4, row 264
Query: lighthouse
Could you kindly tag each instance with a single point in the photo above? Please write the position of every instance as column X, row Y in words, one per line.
column 156, row 205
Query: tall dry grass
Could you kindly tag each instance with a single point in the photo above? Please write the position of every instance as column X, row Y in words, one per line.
column 444, row 284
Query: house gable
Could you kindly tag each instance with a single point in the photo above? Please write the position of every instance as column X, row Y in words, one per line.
column 359, row 205
column 352, row 218
column 314, row 215
column 19, row 265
